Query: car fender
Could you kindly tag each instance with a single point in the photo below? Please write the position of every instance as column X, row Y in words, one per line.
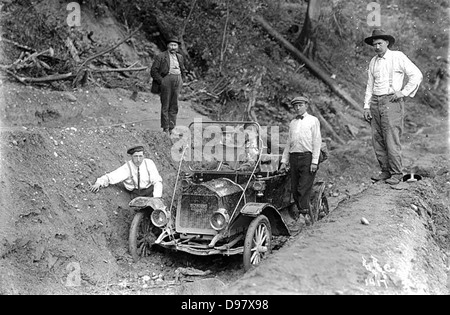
column 253, row 209
column 145, row 202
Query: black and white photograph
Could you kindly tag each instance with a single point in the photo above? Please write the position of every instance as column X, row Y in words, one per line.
column 227, row 154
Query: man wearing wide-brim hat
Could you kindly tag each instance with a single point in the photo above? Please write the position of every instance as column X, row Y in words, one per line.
column 167, row 71
column 384, row 102
column 139, row 176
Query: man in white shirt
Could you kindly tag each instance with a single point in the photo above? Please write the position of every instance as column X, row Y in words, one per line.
column 384, row 102
column 302, row 153
column 139, row 176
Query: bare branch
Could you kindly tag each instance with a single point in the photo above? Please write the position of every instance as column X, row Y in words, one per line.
column 95, row 56
column 54, row 77
column 119, row 69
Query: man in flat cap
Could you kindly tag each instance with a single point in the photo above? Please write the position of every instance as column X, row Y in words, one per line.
column 167, row 72
column 302, row 153
column 139, row 176
column 384, row 102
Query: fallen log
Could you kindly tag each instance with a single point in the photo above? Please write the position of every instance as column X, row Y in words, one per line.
column 119, row 69
column 23, row 47
column 313, row 67
column 325, row 125
column 50, row 78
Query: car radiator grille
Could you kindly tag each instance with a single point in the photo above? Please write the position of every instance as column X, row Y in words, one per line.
column 195, row 212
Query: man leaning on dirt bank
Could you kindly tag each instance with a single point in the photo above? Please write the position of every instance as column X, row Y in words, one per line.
column 139, row 176
column 384, row 102
column 167, row 72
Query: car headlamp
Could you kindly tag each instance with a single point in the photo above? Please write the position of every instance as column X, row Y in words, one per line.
column 219, row 219
column 259, row 186
column 160, row 217
column 185, row 183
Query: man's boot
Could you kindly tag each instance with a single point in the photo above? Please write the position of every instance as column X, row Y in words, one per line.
column 382, row 176
column 394, row 179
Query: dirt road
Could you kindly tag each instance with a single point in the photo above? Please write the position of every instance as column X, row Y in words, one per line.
column 401, row 251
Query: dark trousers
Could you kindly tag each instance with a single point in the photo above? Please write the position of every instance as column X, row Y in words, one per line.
column 302, row 180
column 144, row 192
column 170, row 88
column 387, row 128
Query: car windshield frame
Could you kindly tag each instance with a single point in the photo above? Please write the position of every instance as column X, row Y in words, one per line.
column 223, row 146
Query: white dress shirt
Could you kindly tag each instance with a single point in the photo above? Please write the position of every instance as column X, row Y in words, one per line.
column 127, row 174
column 385, row 76
column 304, row 136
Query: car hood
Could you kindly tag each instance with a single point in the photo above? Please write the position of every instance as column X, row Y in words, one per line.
column 223, row 187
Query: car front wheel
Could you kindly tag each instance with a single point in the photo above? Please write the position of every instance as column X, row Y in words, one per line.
column 142, row 235
column 258, row 241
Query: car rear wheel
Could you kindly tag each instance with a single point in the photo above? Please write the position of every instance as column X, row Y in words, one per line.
column 258, row 241
column 319, row 202
column 142, row 235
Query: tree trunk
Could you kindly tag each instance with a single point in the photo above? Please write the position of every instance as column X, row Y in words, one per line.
column 313, row 67
column 306, row 42
column 325, row 125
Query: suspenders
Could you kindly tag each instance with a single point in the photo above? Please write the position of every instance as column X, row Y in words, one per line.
column 131, row 175
column 391, row 73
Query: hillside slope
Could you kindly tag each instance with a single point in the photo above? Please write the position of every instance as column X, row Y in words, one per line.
column 55, row 140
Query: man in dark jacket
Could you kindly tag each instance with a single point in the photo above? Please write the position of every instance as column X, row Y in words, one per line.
column 167, row 72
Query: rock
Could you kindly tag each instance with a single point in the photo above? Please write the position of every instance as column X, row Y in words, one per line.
column 442, row 171
column 70, row 97
column 424, row 171
column 400, row 186
column 364, row 221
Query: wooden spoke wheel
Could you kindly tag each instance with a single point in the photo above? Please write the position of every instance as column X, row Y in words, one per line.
column 319, row 202
column 258, row 241
column 142, row 235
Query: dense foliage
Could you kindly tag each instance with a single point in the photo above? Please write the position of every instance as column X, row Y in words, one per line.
column 233, row 57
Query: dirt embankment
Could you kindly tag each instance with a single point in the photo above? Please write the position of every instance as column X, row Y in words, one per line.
column 50, row 222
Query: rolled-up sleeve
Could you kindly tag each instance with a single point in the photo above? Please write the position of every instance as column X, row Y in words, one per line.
column 155, row 179
column 414, row 75
column 116, row 176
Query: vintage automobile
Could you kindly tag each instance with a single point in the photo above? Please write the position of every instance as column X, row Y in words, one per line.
column 230, row 201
